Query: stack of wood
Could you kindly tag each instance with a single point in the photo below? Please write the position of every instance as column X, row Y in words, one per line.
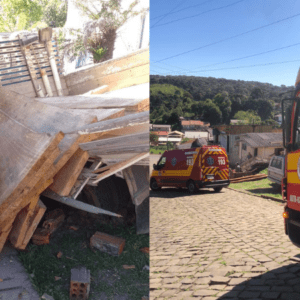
column 248, row 178
column 46, row 142
column 46, row 147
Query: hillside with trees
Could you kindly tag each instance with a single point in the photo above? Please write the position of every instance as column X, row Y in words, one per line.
column 213, row 100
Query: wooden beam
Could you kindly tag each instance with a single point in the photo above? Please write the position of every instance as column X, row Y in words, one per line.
column 67, row 176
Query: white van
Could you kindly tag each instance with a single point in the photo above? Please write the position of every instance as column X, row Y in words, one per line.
column 276, row 169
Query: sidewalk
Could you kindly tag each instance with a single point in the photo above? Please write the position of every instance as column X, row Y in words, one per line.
column 14, row 281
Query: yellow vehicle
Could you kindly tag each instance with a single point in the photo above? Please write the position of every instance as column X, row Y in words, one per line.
column 291, row 180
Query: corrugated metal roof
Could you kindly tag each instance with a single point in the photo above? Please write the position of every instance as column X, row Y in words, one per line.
column 266, row 139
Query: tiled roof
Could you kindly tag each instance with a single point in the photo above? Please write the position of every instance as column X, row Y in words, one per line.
column 266, row 139
column 240, row 129
column 191, row 122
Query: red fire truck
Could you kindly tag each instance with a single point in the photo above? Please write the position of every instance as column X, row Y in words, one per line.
column 291, row 180
column 194, row 168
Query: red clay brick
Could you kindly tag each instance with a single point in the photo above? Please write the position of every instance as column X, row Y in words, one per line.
column 107, row 243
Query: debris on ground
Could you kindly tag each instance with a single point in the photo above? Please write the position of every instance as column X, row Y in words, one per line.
column 47, row 297
column 107, row 243
column 127, row 267
column 145, row 250
column 56, row 146
column 249, row 178
column 80, row 284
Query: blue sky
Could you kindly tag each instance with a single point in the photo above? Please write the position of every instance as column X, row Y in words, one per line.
column 209, row 22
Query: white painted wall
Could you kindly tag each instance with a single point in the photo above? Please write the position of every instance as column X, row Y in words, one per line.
column 131, row 37
column 196, row 134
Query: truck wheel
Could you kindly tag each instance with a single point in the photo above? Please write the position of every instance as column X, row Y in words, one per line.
column 154, row 186
column 218, row 189
column 191, row 186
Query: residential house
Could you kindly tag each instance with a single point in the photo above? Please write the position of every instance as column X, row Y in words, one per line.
column 158, row 127
column 262, row 145
column 193, row 125
column 278, row 118
column 228, row 136
column 164, row 137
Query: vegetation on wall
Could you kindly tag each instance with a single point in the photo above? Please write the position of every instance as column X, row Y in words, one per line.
column 99, row 33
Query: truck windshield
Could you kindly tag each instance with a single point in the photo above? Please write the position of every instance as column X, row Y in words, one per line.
column 161, row 162
column 296, row 129
column 287, row 106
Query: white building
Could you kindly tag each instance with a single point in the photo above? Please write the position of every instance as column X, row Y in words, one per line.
column 131, row 37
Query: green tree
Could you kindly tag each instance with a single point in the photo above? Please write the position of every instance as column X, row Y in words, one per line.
column 249, row 116
column 211, row 112
column 153, row 138
column 16, row 15
column 223, row 102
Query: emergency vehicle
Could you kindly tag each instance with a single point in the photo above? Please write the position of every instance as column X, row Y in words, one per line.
column 194, row 168
column 291, row 180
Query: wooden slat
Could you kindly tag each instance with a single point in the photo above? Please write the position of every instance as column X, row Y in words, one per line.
column 120, row 166
column 91, row 78
column 9, row 44
column 26, row 222
column 67, row 176
column 34, row 222
column 117, row 143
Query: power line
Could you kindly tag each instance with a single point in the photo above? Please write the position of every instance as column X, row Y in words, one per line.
column 250, row 66
column 214, row 9
column 168, row 13
column 229, row 38
column 170, row 66
column 240, row 58
column 174, row 12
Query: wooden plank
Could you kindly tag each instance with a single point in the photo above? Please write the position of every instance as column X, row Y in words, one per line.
column 92, row 136
column 4, row 232
column 28, row 90
column 117, row 143
column 67, row 176
column 120, row 166
column 22, row 150
column 26, row 222
column 130, row 98
column 34, row 222
column 120, row 123
column 12, row 208
column 9, row 44
column 91, row 78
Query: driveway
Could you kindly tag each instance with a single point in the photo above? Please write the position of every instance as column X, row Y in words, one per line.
column 225, row 245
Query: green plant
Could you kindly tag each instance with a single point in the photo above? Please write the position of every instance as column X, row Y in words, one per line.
column 98, row 53
column 99, row 34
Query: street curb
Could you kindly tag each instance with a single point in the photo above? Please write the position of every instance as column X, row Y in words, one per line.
column 262, row 196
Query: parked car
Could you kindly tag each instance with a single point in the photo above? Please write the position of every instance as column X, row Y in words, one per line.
column 276, row 169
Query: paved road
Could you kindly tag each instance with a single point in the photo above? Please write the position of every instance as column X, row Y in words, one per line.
column 220, row 246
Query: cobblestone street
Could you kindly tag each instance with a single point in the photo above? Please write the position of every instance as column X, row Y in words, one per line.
column 225, row 245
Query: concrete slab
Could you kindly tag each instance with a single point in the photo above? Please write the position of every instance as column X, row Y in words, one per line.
column 15, row 282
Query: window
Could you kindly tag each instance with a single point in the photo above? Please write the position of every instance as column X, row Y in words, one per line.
column 161, row 163
column 244, row 146
column 255, row 152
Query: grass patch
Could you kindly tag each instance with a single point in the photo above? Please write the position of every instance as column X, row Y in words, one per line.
column 108, row 278
column 259, row 187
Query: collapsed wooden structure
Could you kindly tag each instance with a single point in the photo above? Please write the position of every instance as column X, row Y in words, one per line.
column 45, row 143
